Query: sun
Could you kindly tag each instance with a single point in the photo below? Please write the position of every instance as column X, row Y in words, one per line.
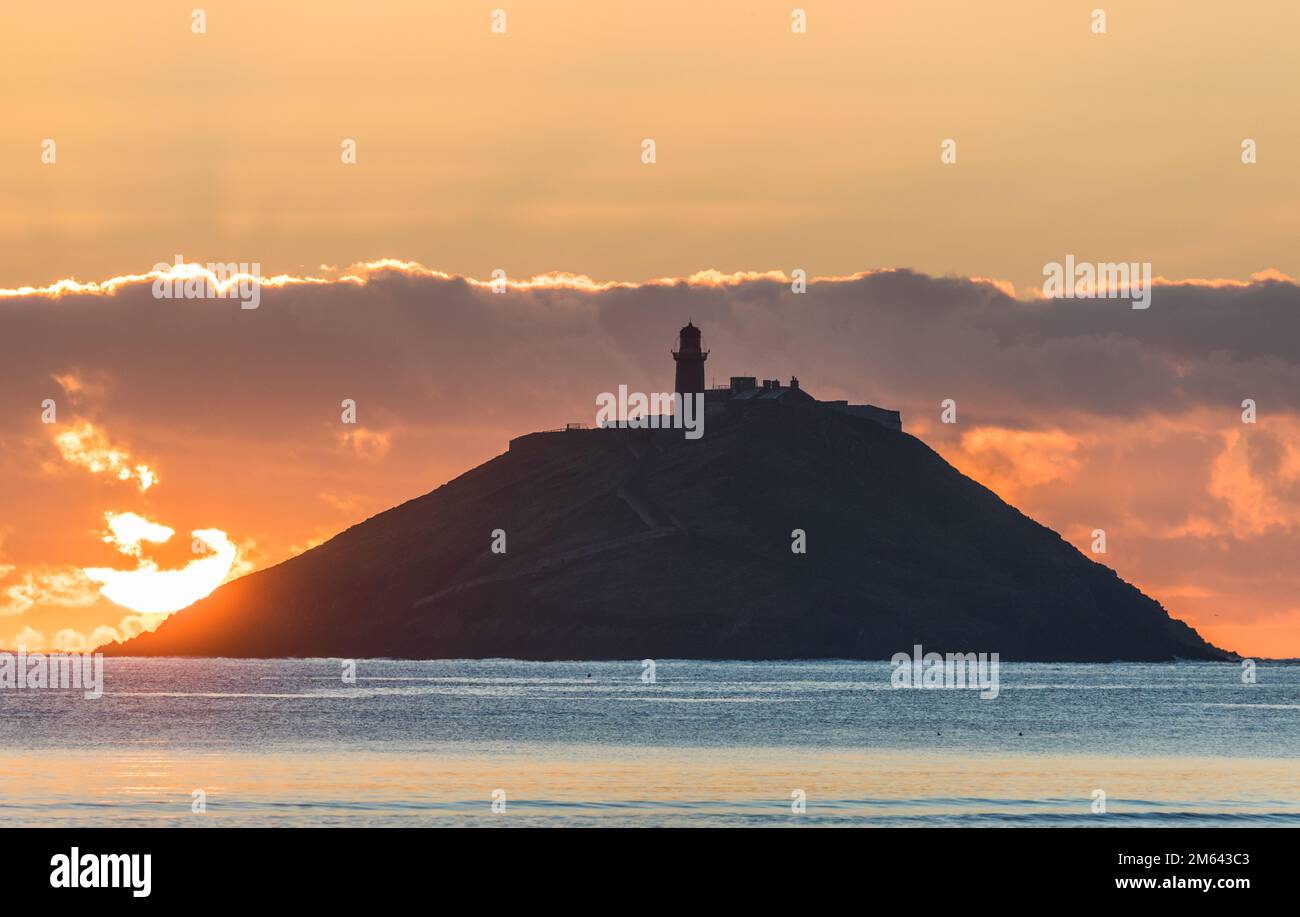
column 146, row 588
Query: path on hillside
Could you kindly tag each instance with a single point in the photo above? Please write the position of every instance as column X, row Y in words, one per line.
column 658, row 521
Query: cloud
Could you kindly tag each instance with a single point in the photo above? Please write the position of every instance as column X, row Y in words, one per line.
column 127, row 532
column 423, row 346
column 1007, row 460
column 30, row 639
column 77, row 388
column 67, row 587
column 70, row 641
column 134, row 625
column 1257, row 474
column 88, row 446
column 371, row 444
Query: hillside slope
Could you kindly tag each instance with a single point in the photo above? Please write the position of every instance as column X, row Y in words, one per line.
column 640, row 544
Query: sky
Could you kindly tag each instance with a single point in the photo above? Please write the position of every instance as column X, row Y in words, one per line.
column 192, row 441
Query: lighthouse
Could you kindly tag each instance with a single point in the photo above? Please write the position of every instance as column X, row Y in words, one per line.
column 690, row 361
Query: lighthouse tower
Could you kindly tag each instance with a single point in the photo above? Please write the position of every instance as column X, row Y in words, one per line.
column 690, row 361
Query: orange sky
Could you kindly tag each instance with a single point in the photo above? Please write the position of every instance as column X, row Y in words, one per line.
column 522, row 151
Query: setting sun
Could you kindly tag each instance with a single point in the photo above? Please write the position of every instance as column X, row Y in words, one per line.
column 146, row 588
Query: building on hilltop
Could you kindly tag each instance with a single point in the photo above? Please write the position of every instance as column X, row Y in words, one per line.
column 743, row 394
column 746, row 390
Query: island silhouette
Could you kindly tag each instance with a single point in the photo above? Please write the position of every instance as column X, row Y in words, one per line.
column 792, row 528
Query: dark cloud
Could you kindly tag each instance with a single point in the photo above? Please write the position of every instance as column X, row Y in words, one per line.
column 416, row 349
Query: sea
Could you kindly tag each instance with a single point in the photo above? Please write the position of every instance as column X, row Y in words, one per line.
column 378, row 742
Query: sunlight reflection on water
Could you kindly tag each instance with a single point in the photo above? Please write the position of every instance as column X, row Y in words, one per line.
column 285, row 742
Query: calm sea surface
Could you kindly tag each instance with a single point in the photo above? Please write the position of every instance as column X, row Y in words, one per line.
column 287, row 742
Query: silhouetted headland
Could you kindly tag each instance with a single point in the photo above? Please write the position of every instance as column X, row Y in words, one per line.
column 641, row 543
